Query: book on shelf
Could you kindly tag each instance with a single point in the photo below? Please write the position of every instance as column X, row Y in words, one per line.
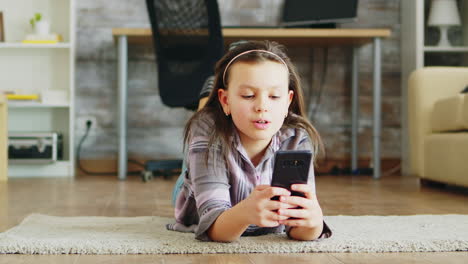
column 24, row 97
column 21, row 96
column 42, row 39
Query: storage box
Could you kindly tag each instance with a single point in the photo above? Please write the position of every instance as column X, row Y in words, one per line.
column 34, row 147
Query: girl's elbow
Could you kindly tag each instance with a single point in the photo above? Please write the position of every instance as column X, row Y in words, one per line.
column 305, row 238
column 224, row 240
column 221, row 239
column 305, row 235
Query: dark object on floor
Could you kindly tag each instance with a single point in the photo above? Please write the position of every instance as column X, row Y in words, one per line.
column 465, row 90
column 165, row 168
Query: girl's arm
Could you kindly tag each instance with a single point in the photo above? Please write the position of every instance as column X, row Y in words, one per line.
column 229, row 225
column 257, row 209
column 305, row 233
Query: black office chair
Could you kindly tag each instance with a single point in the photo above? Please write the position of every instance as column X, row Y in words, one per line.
column 187, row 40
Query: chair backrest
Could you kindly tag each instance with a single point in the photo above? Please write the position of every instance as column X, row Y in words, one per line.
column 188, row 41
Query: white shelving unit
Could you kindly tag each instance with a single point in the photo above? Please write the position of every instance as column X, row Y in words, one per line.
column 414, row 50
column 44, row 69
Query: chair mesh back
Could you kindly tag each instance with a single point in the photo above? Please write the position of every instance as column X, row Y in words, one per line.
column 188, row 42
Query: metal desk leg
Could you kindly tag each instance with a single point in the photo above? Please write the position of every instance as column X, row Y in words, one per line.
column 122, row 105
column 377, row 107
column 354, row 109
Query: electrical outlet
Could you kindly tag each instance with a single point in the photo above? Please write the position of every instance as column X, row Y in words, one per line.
column 81, row 124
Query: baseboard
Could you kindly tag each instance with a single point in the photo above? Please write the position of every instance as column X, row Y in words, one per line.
column 98, row 167
column 324, row 166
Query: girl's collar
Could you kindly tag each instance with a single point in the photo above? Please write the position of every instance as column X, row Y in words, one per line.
column 274, row 145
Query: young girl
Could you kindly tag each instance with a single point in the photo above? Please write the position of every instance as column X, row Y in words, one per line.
column 255, row 109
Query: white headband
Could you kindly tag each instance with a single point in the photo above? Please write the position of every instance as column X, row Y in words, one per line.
column 249, row 51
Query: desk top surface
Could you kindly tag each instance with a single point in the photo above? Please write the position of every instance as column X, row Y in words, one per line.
column 278, row 32
column 288, row 35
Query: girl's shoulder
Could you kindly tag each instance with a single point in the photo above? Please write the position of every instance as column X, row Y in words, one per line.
column 202, row 124
column 202, row 132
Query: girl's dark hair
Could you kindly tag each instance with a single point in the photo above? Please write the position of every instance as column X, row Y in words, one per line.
column 224, row 127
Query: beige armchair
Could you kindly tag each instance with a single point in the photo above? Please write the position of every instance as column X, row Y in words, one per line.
column 438, row 124
column 3, row 138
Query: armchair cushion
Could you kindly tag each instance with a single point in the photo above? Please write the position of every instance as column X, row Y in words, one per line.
column 450, row 114
column 445, row 158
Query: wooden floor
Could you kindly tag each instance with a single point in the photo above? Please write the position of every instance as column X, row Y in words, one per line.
column 106, row 196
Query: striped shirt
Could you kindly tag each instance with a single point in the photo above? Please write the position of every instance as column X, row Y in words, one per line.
column 213, row 185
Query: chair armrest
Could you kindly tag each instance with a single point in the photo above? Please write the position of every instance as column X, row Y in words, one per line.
column 425, row 87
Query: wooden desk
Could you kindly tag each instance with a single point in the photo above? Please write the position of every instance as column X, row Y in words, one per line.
column 288, row 37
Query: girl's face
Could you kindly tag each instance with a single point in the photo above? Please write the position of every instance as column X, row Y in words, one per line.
column 257, row 99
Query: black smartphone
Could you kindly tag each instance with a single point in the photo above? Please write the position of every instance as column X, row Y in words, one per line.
column 291, row 167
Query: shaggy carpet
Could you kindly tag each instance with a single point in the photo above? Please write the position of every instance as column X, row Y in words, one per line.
column 42, row 234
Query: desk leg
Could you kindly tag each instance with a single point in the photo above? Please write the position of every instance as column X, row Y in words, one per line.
column 122, row 105
column 377, row 107
column 354, row 110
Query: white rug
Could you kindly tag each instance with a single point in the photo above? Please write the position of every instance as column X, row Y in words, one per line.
column 42, row 234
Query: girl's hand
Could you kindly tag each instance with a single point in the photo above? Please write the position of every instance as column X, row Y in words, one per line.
column 260, row 210
column 309, row 215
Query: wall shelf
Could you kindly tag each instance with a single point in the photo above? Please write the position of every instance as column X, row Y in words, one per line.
column 36, row 105
column 445, row 49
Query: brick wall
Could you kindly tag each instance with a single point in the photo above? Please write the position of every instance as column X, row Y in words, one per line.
column 155, row 131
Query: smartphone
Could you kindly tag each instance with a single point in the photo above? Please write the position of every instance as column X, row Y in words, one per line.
column 291, row 167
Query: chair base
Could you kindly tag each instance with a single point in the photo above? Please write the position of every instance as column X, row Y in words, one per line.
column 165, row 168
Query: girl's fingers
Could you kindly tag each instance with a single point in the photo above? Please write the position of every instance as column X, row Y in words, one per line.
column 275, row 191
column 307, row 189
column 296, row 213
column 261, row 187
column 294, row 222
column 275, row 205
column 272, row 219
column 301, row 222
column 276, row 217
column 296, row 201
